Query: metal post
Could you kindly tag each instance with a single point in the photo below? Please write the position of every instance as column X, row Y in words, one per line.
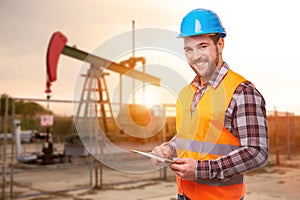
column 81, row 101
column 133, row 56
column 133, row 91
column 0, row 124
column 101, row 174
column 121, row 93
column 144, row 89
column 164, row 139
column 288, row 142
column 91, row 170
column 12, row 153
column 4, row 148
column 293, row 136
column 100, row 159
column 276, row 138
column 96, row 173
column 133, row 39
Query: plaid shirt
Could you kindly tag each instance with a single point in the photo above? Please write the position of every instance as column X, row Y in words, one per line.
column 246, row 119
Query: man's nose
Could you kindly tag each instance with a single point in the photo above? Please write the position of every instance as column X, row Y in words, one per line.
column 196, row 55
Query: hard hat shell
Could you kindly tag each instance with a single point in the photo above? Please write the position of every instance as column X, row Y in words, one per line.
column 201, row 21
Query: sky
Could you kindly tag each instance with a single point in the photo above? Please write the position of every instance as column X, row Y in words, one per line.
column 261, row 43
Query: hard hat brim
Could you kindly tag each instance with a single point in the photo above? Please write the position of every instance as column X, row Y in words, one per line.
column 222, row 35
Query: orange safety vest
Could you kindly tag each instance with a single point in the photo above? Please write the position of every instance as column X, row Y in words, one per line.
column 203, row 136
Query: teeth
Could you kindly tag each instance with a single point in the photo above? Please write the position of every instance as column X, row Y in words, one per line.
column 200, row 64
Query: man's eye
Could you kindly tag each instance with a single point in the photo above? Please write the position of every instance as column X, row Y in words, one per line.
column 203, row 46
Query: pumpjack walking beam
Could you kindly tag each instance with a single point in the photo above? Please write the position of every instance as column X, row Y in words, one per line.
column 58, row 46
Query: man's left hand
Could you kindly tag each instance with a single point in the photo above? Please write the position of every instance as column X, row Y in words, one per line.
column 184, row 167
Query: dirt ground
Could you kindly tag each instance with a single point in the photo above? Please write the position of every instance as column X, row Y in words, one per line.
column 76, row 180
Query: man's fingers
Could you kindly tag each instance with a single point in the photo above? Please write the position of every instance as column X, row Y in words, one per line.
column 179, row 161
column 177, row 165
column 163, row 151
column 184, row 167
column 160, row 153
column 174, row 167
column 157, row 151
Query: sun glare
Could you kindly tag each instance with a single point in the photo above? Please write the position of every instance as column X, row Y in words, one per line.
column 146, row 96
column 152, row 95
column 150, row 99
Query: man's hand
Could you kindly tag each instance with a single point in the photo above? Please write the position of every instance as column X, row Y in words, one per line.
column 184, row 167
column 163, row 150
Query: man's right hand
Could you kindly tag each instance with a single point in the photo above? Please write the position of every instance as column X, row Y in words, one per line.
column 163, row 150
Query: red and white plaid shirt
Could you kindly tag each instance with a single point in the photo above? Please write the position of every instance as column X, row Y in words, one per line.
column 246, row 119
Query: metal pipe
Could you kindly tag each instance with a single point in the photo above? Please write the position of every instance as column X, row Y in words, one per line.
column 12, row 154
column 144, row 89
column 107, row 64
column 133, row 56
column 17, row 137
column 91, row 166
column 288, row 143
column 4, row 148
column 133, row 39
column 120, row 92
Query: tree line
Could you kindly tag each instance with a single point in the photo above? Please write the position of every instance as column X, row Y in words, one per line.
column 29, row 114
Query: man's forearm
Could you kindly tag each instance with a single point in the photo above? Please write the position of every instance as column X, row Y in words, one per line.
column 237, row 162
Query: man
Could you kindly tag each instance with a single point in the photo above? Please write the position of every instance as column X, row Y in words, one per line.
column 220, row 119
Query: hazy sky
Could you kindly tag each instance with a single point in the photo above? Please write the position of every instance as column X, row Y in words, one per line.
column 261, row 44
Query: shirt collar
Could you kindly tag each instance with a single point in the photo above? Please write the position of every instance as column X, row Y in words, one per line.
column 215, row 79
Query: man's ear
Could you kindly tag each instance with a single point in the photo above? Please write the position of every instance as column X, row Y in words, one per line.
column 220, row 45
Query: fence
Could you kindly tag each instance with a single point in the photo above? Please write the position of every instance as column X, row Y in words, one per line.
column 282, row 133
column 86, row 172
column 24, row 179
column 18, row 159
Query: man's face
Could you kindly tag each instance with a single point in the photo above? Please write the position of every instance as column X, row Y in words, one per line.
column 202, row 54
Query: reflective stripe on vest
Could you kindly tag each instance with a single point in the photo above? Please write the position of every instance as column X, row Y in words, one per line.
column 204, row 147
column 210, row 148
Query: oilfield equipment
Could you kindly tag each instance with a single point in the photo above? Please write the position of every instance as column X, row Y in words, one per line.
column 44, row 151
column 92, row 117
column 94, row 105
column 96, row 72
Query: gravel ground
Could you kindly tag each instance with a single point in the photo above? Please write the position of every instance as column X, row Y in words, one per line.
column 73, row 181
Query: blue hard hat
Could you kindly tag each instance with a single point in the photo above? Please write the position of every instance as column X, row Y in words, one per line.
column 201, row 21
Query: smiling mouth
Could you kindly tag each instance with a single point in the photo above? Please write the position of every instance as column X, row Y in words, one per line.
column 200, row 64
